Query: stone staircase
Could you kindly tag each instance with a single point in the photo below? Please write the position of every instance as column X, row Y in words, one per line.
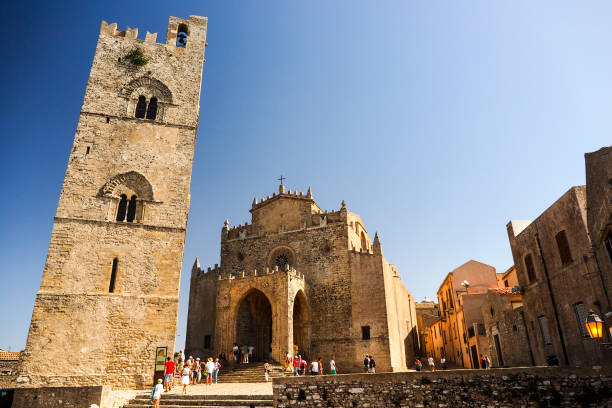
column 204, row 401
column 249, row 373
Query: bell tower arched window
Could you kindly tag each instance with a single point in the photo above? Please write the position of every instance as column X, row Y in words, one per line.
column 181, row 36
column 131, row 211
column 122, row 208
column 141, row 107
column 152, row 109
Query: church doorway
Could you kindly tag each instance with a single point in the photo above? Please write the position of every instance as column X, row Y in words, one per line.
column 254, row 324
column 301, row 324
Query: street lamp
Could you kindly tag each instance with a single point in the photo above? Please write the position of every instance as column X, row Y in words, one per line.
column 594, row 326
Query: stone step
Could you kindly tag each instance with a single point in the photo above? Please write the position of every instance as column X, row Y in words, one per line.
column 201, row 405
column 216, row 401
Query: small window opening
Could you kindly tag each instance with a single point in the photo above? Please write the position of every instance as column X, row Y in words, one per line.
column 131, row 212
column 122, row 208
column 581, row 317
column 141, row 107
column 181, row 37
column 111, row 286
column 107, row 119
column 514, row 327
column 506, row 283
column 88, row 149
column 207, row 341
column 365, row 332
column 152, row 109
column 530, row 269
column 608, row 244
column 543, row 321
column 364, row 244
column 564, row 249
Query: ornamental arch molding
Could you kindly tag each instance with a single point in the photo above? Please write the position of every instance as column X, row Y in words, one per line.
column 282, row 256
column 131, row 180
column 147, row 88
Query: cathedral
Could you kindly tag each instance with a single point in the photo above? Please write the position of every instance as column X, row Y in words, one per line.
column 298, row 277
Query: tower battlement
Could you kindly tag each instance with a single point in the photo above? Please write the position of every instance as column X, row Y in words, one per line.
column 194, row 28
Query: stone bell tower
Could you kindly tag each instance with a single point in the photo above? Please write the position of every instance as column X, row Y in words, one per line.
column 110, row 285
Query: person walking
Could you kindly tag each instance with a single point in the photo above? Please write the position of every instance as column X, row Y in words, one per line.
column 320, row 366
column 488, row 360
column 443, row 362
column 182, row 355
column 366, row 364
column 218, row 366
column 245, row 354
column 266, row 370
column 168, row 374
column 314, row 367
column 483, row 362
column 431, row 363
column 235, row 352
column 372, row 365
column 332, row 365
column 417, row 364
column 198, row 371
column 303, row 365
column 296, row 365
column 185, row 378
column 288, row 362
column 251, row 350
column 157, row 392
column 210, row 370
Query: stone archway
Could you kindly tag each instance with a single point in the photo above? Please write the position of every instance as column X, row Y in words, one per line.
column 301, row 324
column 254, row 324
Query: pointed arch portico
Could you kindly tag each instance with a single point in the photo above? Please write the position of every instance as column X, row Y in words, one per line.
column 244, row 314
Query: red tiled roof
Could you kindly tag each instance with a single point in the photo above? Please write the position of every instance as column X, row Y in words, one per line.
column 9, row 355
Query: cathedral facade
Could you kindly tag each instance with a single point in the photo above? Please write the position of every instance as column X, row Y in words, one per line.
column 300, row 276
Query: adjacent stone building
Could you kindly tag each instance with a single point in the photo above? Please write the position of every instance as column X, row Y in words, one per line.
column 504, row 320
column 427, row 312
column 460, row 298
column 561, row 279
column 110, row 285
column 599, row 223
column 300, row 276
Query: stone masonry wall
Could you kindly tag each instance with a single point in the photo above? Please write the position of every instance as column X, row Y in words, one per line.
column 85, row 331
column 537, row 387
column 567, row 284
column 345, row 286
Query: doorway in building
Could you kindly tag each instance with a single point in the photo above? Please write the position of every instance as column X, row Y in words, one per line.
column 254, row 324
column 301, row 324
column 500, row 358
column 475, row 359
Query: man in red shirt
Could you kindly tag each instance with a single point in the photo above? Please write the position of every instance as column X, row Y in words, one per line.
column 296, row 365
column 168, row 374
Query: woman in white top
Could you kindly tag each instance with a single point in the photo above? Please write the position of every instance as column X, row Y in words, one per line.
column 314, row 367
column 185, row 378
column 210, row 370
column 157, row 392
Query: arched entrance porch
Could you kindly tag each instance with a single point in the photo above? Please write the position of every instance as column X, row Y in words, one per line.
column 301, row 324
column 254, row 324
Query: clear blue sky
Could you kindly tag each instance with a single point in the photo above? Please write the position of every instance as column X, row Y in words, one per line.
column 438, row 122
